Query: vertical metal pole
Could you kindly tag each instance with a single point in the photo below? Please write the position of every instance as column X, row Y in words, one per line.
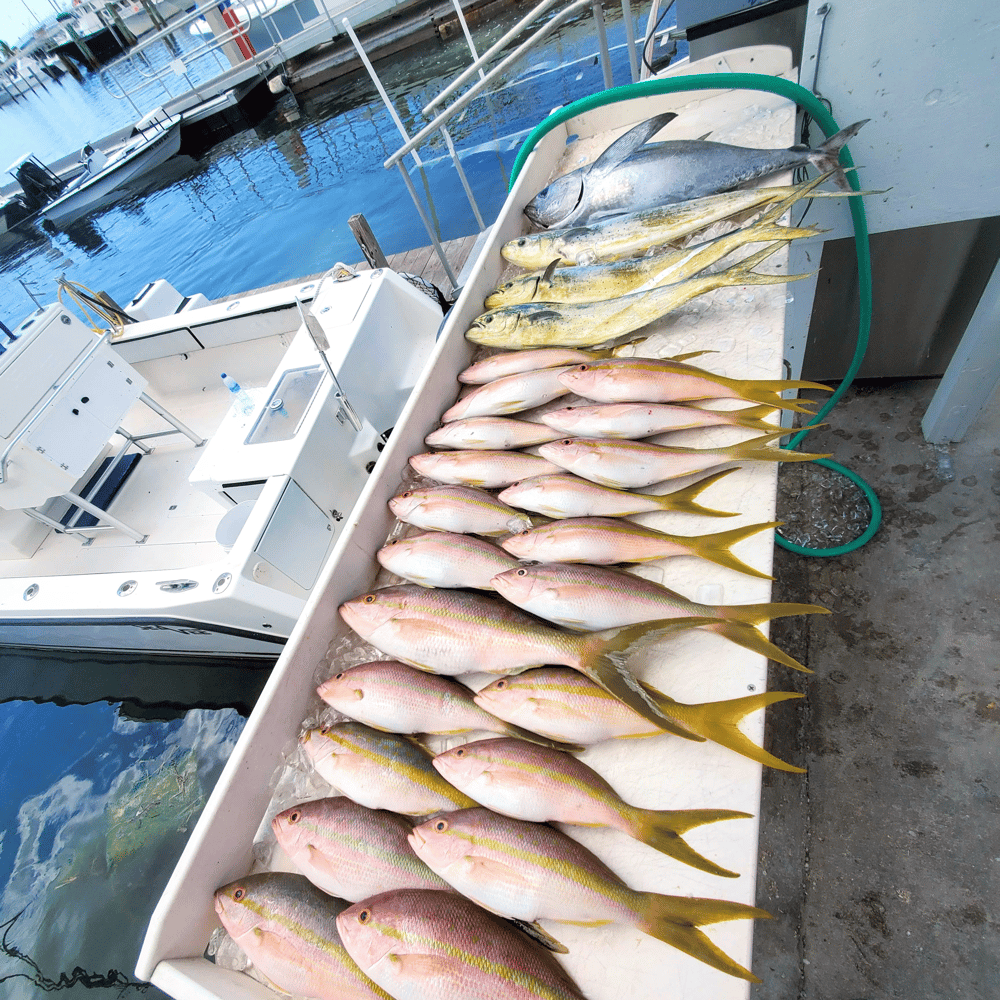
column 124, row 92
column 468, row 36
column 381, row 90
column 427, row 225
column 633, row 60
column 973, row 373
column 602, row 40
column 461, row 176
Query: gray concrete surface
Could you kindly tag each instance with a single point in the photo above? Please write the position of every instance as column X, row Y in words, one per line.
column 882, row 864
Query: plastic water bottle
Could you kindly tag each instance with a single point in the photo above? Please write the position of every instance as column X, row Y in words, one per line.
column 240, row 396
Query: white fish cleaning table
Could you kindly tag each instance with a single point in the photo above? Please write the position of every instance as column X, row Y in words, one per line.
column 744, row 328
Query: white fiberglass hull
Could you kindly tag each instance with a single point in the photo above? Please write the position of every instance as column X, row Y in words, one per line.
column 92, row 192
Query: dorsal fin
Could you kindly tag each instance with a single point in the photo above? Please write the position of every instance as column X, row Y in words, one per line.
column 624, row 146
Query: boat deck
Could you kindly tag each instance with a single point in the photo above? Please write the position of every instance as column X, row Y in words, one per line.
column 178, row 519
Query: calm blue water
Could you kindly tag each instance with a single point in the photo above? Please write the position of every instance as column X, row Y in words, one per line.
column 95, row 807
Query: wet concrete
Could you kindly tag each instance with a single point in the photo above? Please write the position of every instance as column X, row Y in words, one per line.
column 881, row 865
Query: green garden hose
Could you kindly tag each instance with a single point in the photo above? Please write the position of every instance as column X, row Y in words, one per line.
column 812, row 104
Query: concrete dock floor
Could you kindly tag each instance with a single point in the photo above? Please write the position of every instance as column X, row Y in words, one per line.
column 881, row 865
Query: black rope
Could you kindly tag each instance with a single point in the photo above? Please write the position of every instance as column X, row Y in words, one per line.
column 112, row 979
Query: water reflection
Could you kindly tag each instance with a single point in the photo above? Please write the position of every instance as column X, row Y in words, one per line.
column 108, row 803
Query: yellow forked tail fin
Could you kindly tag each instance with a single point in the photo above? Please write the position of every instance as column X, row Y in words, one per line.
column 715, row 548
column 603, row 656
column 676, row 919
column 718, row 721
column 753, row 639
column 684, row 500
column 757, row 449
column 664, row 829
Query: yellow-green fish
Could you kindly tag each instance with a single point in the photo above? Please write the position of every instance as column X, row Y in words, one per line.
column 533, row 783
column 585, row 324
column 288, row 929
column 423, row 944
column 634, row 233
column 590, row 283
column 490, row 434
column 445, row 559
column 380, row 770
column 633, row 464
column 486, row 469
column 534, row 872
column 639, row 420
column 565, row 705
column 458, row 508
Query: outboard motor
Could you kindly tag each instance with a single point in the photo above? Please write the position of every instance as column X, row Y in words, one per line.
column 39, row 185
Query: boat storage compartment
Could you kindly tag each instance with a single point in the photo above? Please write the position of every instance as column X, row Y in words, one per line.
column 746, row 333
column 65, row 393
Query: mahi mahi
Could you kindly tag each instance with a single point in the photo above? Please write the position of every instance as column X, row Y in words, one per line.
column 585, row 324
column 589, row 283
column 627, row 235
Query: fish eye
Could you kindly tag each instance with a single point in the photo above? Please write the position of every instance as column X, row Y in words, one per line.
column 408, row 493
column 369, row 598
column 521, row 242
column 566, row 441
column 339, row 676
column 522, row 572
column 364, row 916
column 294, row 817
column 583, row 368
column 325, row 730
column 500, row 685
column 441, row 825
column 239, row 893
column 460, row 753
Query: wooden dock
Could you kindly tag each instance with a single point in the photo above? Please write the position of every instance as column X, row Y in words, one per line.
column 422, row 261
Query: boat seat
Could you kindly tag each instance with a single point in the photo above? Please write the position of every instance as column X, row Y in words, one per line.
column 95, row 159
column 103, row 493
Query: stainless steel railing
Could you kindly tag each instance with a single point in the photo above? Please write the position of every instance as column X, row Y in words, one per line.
column 438, row 125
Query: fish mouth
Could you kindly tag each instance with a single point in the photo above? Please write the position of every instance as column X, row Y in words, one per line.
column 416, row 840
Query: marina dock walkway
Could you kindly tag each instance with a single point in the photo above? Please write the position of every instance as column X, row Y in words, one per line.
column 421, row 261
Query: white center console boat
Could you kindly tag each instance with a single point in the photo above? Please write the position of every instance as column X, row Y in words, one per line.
column 145, row 506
